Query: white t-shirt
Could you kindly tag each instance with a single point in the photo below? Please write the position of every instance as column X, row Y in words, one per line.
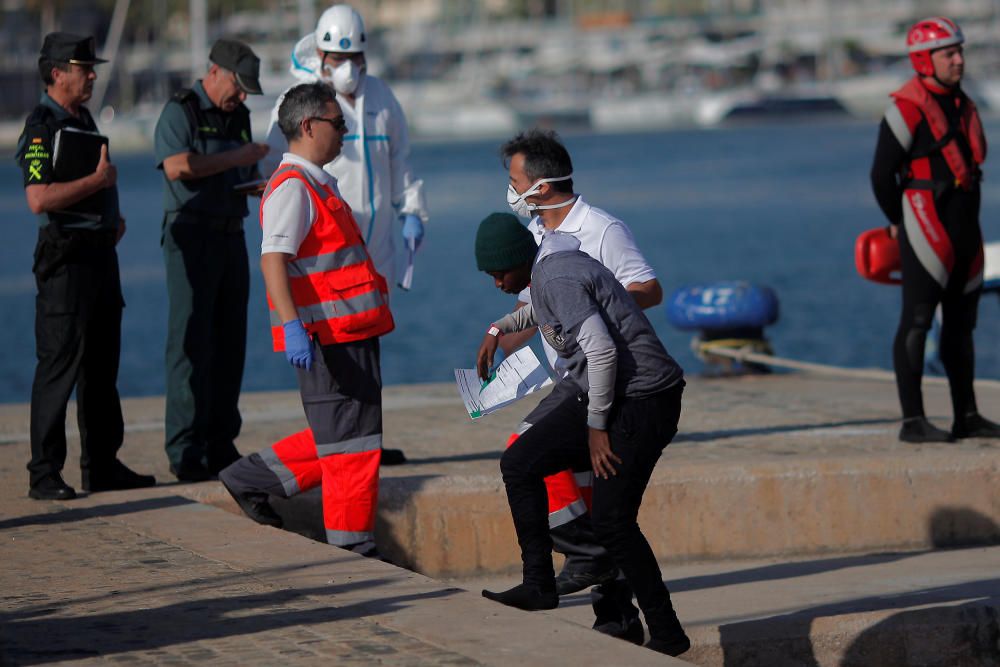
column 288, row 213
column 605, row 238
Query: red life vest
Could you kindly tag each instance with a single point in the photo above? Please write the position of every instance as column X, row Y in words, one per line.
column 916, row 92
column 338, row 294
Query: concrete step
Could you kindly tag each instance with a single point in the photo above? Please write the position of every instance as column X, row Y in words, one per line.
column 762, row 466
column 926, row 608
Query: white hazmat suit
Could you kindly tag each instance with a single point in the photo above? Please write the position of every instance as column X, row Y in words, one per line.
column 372, row 171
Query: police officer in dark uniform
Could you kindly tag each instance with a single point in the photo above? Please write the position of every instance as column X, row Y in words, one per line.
column 204, row 148
column 79, row 302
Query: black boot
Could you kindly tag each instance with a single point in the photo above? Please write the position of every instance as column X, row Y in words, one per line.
column 255, row 505
column 529, row 597
column 918, row 429
column 975, row 425
column 116, row 477
column 665, row 632
column 392, row 457
column 614, row 613
column 672, row 647
column 569, row 582
column 52, row 487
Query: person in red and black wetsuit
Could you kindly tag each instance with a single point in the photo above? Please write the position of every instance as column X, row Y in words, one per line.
column 926, row 175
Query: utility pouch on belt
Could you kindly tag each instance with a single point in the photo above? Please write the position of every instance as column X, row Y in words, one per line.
column 57, row 247
column 53, row 249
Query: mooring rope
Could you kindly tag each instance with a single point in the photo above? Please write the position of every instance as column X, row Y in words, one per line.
column 746, row 354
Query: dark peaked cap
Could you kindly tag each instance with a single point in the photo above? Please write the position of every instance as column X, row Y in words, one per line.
column 239, row 59
column 64, row 47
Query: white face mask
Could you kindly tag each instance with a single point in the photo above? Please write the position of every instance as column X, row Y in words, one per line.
column 521, row 207
column 345, row 77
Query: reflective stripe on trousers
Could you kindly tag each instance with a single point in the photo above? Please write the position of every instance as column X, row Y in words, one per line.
column 349, row 479
column 567, row 500
column 342, row 400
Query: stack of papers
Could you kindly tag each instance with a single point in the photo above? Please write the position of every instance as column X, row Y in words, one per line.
column 520, row 374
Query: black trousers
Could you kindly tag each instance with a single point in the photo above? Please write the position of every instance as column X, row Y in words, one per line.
column 78, row 314
column 208, row 284
column 638, row 429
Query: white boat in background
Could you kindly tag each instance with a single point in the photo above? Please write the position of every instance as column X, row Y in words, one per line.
column 868, row 96
column 991, row 267
column 660, row 110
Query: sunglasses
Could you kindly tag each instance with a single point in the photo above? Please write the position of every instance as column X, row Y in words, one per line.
column 339, row 124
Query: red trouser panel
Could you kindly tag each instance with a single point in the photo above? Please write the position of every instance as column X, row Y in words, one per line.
column 562, row 487
column 298, row 453
column 350, row 482
column 350, row 491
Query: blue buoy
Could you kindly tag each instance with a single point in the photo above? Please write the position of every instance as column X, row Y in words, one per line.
column 724, row 305
column 727, row 315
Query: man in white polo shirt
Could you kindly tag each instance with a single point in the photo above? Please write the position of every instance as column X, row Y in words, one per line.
column 328, row 307
column 541, row 187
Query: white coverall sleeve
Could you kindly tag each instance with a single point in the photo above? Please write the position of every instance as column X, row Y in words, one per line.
column 276, row 140
column 407, row 191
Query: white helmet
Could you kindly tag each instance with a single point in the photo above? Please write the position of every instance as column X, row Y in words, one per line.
column 341, row 30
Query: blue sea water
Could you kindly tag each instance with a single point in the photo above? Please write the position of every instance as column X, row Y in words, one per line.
column 776, row 204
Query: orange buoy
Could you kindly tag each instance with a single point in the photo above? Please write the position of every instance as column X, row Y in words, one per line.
column 876, row 256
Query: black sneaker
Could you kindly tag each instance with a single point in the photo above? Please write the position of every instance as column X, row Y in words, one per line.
column 918, row 429
column 256, row 506
column 573, row 582
column 118, row 478
column 392, row 457
column 52, row 487
column 975, row 426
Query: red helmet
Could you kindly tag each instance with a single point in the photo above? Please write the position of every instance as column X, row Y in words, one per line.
column 928, row 35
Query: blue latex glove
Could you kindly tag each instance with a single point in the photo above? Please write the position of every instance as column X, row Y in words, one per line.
column 413, row 229
column 298, row 346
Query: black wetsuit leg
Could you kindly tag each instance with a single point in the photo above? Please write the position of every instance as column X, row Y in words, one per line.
column 959, row 312
column 921, row 295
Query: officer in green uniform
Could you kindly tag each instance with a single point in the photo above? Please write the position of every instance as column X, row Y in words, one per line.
column 78, row 308
column 203, row 146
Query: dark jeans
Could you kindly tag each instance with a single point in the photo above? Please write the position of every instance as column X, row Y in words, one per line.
column 208, row 283
column 78, row 314
column 638, row 429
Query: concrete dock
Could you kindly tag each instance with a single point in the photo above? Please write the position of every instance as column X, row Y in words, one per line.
column 794, row 528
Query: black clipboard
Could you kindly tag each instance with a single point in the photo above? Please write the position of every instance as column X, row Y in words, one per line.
column 75, row 154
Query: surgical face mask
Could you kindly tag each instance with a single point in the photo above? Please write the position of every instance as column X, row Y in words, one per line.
column 345, row 77
column 521, row 207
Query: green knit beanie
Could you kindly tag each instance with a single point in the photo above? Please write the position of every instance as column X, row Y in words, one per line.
column 503, row 243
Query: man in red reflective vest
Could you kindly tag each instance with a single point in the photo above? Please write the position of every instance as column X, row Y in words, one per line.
column 926, row 175
column 328, row 308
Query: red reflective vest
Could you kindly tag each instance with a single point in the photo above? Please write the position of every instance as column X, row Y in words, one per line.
column 337, row 292
column 916, row 92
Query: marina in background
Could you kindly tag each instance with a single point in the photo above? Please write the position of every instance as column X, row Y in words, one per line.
column 487, row 68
